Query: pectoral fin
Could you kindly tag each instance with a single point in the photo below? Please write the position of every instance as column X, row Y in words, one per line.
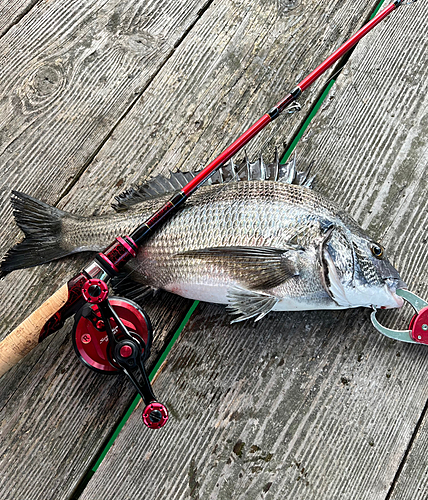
column 249, row 304
column 256, row 268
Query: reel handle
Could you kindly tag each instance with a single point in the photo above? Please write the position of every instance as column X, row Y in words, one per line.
column 26, row 335
column 127, row 349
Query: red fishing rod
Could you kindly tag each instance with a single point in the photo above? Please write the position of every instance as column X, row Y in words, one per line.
column 260, row 124
column 114, row 335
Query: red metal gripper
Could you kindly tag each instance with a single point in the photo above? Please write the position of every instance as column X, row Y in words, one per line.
column 419, row 326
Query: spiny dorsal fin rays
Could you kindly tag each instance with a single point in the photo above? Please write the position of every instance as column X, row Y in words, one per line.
column 262, row 167
column 248, row 165
column 229, row 172
column 157, row 186
column 275, row 165
column 292, row 170
column 257, row 170
column 303, row 177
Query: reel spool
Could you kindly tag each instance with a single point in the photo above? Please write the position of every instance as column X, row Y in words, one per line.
column 90, row 339
column 114, row 335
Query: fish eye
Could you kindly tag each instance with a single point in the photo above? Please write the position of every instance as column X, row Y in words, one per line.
column 377, row 250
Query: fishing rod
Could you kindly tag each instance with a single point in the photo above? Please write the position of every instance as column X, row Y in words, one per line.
column 114, row 334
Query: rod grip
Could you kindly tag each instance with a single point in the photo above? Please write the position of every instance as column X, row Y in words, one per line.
column 26, row 335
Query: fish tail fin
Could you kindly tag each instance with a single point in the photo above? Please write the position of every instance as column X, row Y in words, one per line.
column 42, row 226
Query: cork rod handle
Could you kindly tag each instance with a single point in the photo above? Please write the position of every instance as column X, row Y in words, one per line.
column 26, row 335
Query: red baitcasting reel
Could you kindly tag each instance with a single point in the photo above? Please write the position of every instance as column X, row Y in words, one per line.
column 113, row 336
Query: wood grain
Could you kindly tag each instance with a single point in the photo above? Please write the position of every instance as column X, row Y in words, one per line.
column 56, row 415
column 412, row 481
column 232, row 67
column 70, row 73
column 12, row 11
column 309, row 406
column 305, row 406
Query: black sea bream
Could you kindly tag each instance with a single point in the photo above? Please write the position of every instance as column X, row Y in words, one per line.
column 266, row 242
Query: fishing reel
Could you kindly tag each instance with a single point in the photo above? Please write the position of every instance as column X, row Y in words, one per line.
column 114, row 335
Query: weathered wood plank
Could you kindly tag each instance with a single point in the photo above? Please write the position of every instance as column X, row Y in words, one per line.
column 251, row 81
column 305, row 406
column 313, row 406
column 12, row 11
column 412, row 482
column 70, row 73
column 238, row 61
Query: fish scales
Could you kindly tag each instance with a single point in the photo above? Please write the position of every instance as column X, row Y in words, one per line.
column 256, row 245
column 254, row 213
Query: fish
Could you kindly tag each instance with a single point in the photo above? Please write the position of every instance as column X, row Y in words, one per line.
column 255, row 237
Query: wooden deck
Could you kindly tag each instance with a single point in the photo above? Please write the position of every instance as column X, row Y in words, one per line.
column 98, row 94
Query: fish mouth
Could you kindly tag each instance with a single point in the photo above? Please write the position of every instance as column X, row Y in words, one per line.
column 398, row 300
column 392, row 284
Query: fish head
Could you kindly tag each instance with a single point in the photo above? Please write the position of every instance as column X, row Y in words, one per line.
column 357, row 272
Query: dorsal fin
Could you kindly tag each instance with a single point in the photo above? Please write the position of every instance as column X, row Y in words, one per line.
column 155, row 187
column 229, row 172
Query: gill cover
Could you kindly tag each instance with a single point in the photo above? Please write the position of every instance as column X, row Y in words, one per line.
column 338, row 265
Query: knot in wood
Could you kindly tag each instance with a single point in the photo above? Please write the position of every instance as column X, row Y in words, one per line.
column 43, row 86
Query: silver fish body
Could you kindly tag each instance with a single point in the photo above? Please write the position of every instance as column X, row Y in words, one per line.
column 256, row 245
column 318, row 257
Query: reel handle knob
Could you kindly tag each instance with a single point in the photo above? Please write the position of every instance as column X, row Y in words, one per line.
column 155, row 415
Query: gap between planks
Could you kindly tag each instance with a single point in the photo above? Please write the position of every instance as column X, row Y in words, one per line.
column 18, row 17
column 152, row 377
column 407, row 452
column 409, row 446
column 76, row 179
